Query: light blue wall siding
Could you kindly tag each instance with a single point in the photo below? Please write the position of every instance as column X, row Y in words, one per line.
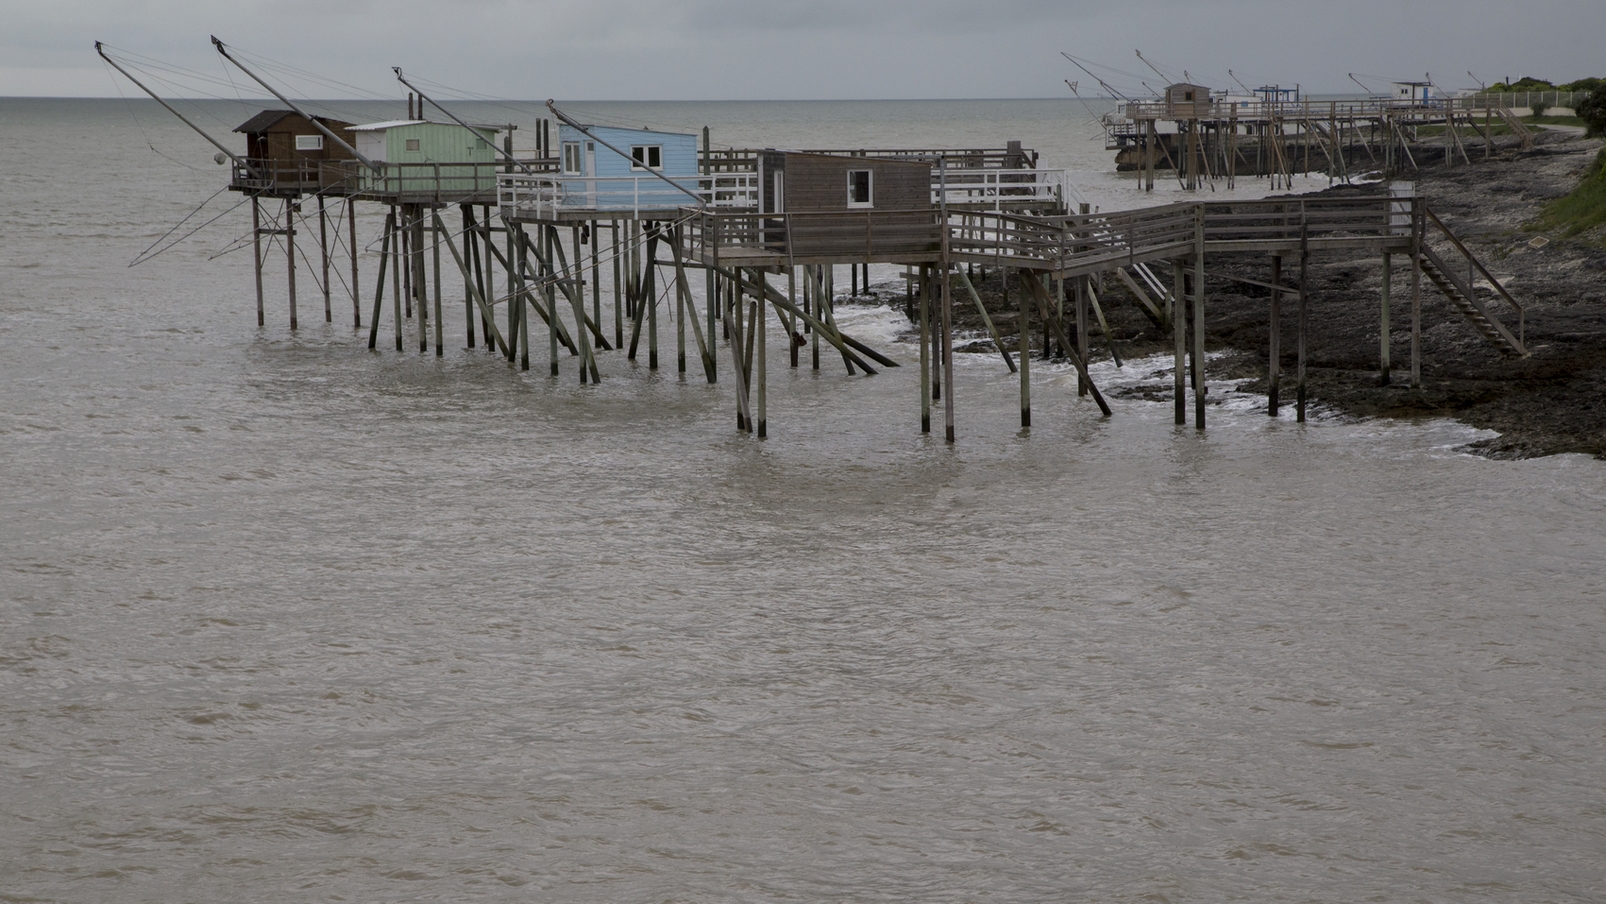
column 679, row 159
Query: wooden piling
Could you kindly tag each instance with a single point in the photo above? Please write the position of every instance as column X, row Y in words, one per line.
column 1080, row 292
column 925, row 349
column 1383, row 335
column 1304, row 320
column 1274, row 366
column 379, row 287
column 649, row 296
column 472, row 250
column 761, row 376
column 256, row 243
column 396, row 234
column 1179, row 331
column 420, row 284
column 618, row 286
column 435, row 249
column 1416, row 294
column 356, row 303
column 1199, row 388
column 323, row 248
column 290, row 255
column 1024, row 353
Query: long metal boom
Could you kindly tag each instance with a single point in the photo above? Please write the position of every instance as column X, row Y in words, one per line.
column 552, row 105
column 100, row 49
column 327, row 132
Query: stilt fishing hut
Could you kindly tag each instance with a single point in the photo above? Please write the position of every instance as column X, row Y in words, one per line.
column 288, row 155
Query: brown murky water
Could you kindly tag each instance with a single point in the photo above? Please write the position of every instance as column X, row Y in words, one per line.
column 284, row 619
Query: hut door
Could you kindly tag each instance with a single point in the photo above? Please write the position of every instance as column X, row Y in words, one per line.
column 778, row 192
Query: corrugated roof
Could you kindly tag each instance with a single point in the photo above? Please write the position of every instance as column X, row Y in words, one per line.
column 388, row 124
column 393, row 123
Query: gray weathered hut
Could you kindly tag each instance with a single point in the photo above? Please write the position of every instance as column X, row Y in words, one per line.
column 1185, row 101
column 876, row 207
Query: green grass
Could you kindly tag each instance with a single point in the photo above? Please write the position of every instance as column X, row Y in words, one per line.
column 1583, row 210
column 1496, row 127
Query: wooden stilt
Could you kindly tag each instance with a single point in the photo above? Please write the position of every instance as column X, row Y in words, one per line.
column 1024, row 352
column 596, row 276
column 1304, row 320
column 1274, row 364
column 397, row 233
column 323, row 248
column 435, row 250
column 290, row 255
column 488, row 285
column 1383, row 332
column 761, row 375
column 256, row 244
column 1199, row 387
column 472, row 250
column 356, row 304
column 618, row 287
column 947, row 344
column 649, row 296
column 420, row 283
column 1416, row 295
column 493, row 339
column 379, row 287
column 791, row 330
column 1080, row 291
column 817, row 282
column 925, row 349
column 1179, row 335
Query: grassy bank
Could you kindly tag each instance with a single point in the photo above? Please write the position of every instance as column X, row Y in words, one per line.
column 1584, row 210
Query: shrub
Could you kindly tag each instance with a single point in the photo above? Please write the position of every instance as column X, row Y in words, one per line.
column 1538, row 106
column 1592, row 110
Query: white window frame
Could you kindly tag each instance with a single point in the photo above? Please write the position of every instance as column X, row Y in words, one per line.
column 642, row 156
column 869, row 179
column 309, row 142
column 573, row 164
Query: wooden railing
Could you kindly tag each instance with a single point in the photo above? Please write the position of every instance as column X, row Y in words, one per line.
column 848, row 235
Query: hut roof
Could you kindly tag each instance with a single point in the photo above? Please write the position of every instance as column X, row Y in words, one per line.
column 267, row 118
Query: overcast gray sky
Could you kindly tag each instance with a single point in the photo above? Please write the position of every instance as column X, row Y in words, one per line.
column 825, row 49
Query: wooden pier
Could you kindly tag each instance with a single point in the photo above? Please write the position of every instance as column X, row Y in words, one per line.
column 765, row 230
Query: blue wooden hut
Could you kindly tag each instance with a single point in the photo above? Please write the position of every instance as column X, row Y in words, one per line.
column 627, row 179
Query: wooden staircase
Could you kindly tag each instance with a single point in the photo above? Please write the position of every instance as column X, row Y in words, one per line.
column 1517, row 126
column 1462, row 294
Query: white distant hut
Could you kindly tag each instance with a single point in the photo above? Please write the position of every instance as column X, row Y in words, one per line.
column 1412, row 92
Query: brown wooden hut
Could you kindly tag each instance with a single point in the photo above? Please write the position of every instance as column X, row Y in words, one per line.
column 869, row 208
column 291, row 155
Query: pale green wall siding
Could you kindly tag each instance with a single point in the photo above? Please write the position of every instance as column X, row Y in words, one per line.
column 443, row 143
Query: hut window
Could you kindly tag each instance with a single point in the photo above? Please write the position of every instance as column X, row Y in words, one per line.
column 309, row 142
column 412, row 144
column 647, row 156
column 861, row 188
column 571, row 156
column 1187, row 95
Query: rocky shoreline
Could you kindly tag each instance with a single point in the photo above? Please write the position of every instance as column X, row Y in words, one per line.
column 1553, row 401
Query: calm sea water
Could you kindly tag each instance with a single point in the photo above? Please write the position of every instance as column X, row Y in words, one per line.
column 285, row 619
